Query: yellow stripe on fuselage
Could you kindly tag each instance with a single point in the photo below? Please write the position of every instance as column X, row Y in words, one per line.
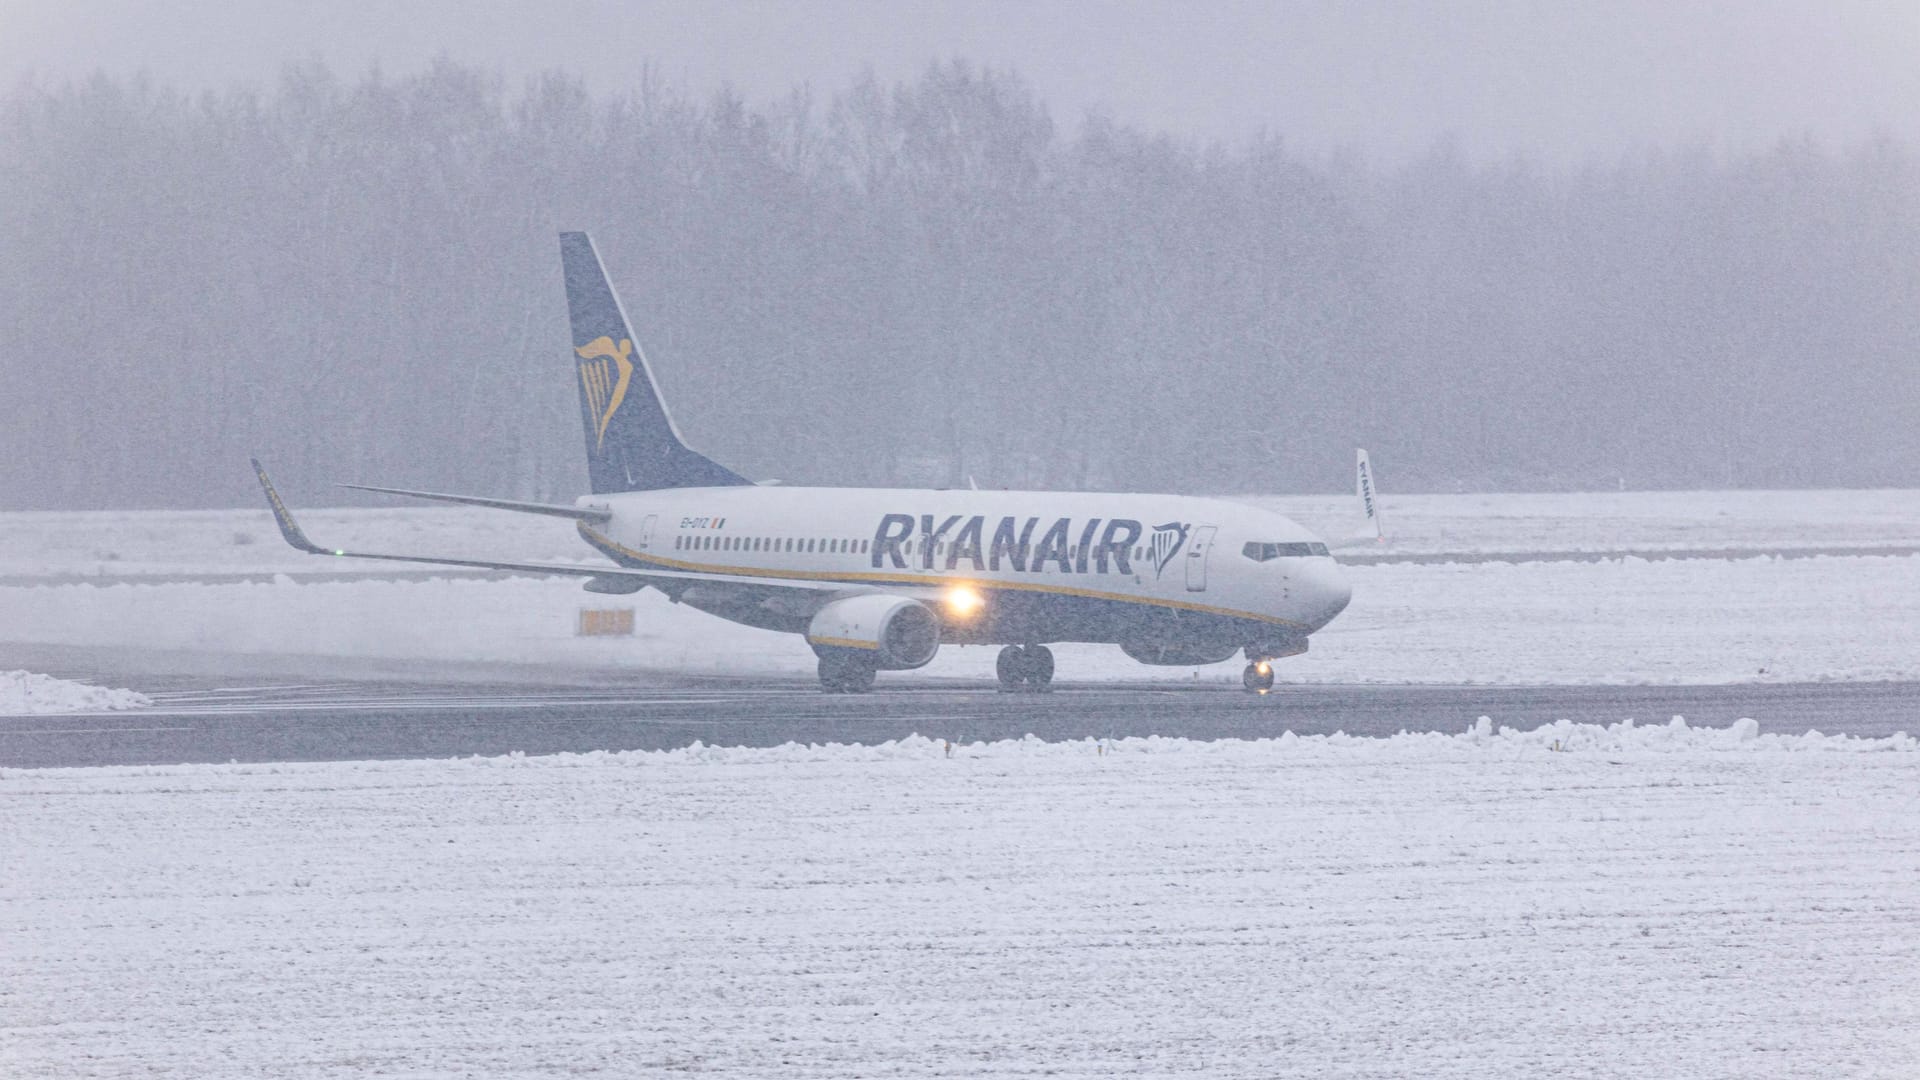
column 610, row 547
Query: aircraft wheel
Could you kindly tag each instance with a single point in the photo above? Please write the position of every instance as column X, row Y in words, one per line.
column 1258, row 678
column 843, row 674
column 1039, row 666
column 1011, row 667
column 831, row 668
column 859, row 678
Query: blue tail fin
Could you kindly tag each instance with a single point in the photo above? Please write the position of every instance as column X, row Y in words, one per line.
column 632, row 444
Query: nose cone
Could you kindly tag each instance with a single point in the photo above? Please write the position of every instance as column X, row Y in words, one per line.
column 1324, row 591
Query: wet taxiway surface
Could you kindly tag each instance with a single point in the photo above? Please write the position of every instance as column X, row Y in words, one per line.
column 211, row 720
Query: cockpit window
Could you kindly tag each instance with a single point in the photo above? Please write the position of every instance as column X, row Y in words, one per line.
column 1260, row 552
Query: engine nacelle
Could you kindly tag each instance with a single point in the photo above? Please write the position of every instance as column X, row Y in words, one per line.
column 899, row 633
column 1177, row 653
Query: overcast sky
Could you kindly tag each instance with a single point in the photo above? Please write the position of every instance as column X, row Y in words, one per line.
column 1556, row 80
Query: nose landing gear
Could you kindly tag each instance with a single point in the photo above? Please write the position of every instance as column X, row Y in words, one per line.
column 1258, row 678
column 1028, row 668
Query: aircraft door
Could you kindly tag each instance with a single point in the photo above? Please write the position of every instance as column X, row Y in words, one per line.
column 646, row 532
column 1197, row 558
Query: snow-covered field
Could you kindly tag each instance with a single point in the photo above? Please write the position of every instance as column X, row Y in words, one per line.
column 1620, row 621
column 122, row 543
column 1649, row 902
column 1573, row 901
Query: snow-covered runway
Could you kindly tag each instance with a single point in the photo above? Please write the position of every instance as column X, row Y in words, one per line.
column 1645, row 902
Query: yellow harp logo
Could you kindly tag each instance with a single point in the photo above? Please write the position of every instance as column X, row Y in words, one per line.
column 604, row 371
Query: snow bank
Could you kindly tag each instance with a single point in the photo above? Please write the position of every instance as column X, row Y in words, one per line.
column 1484, row 740
column 1652, row 900
column 25, row 693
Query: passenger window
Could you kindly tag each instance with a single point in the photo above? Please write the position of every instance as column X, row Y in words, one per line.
column 863, row 547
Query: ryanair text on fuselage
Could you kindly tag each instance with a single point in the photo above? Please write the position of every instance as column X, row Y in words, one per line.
column 1098, row 546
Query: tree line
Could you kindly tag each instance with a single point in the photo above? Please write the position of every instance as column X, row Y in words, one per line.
column 916, row 284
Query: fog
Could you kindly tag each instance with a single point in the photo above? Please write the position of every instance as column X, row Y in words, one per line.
column 1110, row 248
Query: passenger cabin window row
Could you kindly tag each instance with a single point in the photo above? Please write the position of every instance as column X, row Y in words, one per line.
column 784, row 544
column 1263, row 552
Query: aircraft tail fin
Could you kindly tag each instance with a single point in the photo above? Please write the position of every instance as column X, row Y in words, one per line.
column 632, row 443
column 1363, row 487
column 1371, row 533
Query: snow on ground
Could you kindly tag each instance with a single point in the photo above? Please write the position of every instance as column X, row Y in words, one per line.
column 1629, row 621
column 1651, row 902
column 1621, row 621
column 24, row 693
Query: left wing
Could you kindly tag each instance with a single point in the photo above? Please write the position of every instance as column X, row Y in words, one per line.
column 614, row 577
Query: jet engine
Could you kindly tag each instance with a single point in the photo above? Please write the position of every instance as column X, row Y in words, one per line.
column 900, row 634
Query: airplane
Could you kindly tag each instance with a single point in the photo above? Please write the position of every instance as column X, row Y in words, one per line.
column 877, row 579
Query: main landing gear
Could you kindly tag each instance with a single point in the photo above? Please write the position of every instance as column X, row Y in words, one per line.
column 846, row 673
column 1025, row 668
column 1258, row 678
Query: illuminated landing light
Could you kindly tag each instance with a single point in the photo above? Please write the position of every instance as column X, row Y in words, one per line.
column 1263, row 668
column 963, row 602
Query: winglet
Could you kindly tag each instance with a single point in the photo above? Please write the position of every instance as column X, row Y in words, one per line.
column 289, row 528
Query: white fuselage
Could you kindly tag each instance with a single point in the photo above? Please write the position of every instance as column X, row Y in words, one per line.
column 1041, row 566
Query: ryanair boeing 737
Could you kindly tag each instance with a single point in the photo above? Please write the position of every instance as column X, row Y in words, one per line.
column 878, row 579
